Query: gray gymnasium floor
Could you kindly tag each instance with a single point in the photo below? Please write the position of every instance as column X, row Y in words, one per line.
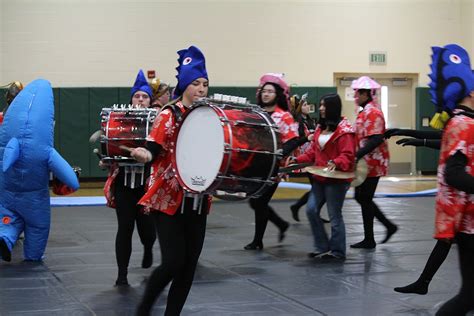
column 78, row 274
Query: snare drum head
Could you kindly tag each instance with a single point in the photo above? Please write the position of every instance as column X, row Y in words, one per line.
column 199, row 148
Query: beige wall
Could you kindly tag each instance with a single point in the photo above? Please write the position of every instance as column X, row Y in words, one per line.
column 467, row 10
column 104, row 42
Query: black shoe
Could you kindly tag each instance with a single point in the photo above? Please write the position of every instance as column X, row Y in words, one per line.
column 294, row 212
column 281, row 235
column 147, row 260
column 364, row 244
column 418, row 287
column 390, row 231
column 122, row 281
column 4, row 251
column 254, row 246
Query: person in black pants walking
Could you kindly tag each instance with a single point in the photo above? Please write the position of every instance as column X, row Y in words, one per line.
column 180, row 220
column 430, row 139
column 123, row 189
column 272, row 98
column 452, row 91
column 370, row 128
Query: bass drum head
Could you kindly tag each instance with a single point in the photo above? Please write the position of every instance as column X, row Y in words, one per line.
column 199, row 149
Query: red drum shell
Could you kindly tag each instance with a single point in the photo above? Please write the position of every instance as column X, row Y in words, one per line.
column 122, row 129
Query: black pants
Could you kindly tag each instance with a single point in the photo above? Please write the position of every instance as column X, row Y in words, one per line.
column 464, row 301
column 436, row 259
column 364, row 195
column 264, row 212
column 128, row 212
column 181, row 238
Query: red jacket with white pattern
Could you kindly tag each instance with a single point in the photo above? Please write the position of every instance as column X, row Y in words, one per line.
column 340, row 148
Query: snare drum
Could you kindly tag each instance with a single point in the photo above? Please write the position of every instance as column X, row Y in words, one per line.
column 226, row 150
column 124, row 128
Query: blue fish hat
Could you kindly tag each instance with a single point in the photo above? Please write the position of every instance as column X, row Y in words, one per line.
column 141, row 84
column 452, row 79
column 191, row 66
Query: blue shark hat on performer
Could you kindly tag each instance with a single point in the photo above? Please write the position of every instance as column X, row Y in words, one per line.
column 191, row 66
column 141, row 84
column 452, row 79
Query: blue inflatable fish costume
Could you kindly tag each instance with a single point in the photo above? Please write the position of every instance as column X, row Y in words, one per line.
column 451, row 80
column 27, row 156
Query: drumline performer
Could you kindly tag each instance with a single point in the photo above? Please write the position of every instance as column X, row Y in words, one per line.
column 452, row 90
column 161, row 93
column 180, row 218
column 306, row 125
column 429, row 139
column 123, row 189
column 272, row 96
column 370, row 128
column 334, row 148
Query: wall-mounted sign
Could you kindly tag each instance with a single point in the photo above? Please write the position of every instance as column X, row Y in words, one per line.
column 377, row 58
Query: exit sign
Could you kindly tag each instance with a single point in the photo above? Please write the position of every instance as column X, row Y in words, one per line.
column 377, row 58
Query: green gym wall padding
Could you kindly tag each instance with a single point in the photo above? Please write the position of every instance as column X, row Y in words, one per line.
column 77, row 113
column 99, row 98
column 426, row 158
column 73, row 129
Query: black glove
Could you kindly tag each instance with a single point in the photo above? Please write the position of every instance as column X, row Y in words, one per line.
column 392, row 132
column 411, row 142
column 429, row 143
column 413, row 133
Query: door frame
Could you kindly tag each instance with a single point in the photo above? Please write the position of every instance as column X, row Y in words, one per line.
column 349, row 76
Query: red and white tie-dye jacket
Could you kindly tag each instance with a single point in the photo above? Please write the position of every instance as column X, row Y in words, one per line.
column 370, row 121
column 454, row 208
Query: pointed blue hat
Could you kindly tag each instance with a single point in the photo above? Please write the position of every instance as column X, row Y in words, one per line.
column 141, row 84
column 451, row 76
column 191, row 66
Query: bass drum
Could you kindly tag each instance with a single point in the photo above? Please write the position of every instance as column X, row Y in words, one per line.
column 228, row 150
